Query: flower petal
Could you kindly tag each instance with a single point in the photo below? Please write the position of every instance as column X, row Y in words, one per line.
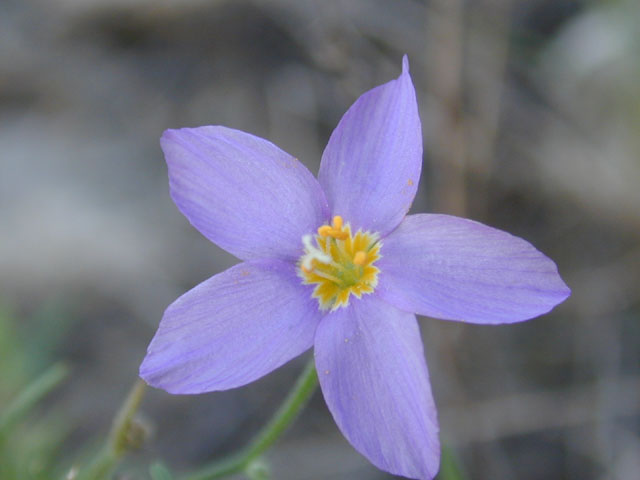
column 242, row 192
column 371, row 166
column 232, row 329
column 374, row 379
column 457, row 269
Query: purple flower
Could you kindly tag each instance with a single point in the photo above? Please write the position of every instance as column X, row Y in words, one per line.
column 336, row 264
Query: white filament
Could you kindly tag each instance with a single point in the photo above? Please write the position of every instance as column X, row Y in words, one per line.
column 311, row 252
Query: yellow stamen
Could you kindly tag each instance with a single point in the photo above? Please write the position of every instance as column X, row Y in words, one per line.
column 328, row 231
column 324, row 230
column 339, row 263
column 359, row 258
column 338, row 234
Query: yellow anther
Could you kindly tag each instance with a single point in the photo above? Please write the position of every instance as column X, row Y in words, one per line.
column 334, row 231
column 324, row 230
column 359, row 258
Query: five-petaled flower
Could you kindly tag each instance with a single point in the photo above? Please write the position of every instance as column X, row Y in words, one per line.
column 335, row 263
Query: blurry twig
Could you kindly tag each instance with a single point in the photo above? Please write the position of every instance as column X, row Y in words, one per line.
column 488, row 45
column 445, row 45
column 468, row 46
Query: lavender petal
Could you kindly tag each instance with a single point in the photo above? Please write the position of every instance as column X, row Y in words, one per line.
column 374, row 378
column 371, row 165
column 242, row 192
column 232, row 329
column 457, row 269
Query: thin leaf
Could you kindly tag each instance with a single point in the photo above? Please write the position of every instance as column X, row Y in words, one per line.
column 31, row 396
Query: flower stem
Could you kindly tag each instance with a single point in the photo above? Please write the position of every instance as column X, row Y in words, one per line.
column 286, row 414
column 120, row 438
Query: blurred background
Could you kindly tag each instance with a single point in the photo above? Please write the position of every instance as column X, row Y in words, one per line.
column 531, row 116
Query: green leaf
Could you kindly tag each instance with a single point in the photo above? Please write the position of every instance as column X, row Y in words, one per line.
column 30, row 396
column 450, row 468
column 159, row 471
column 258, row 469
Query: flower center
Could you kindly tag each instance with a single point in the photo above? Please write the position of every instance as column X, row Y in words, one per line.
column 339, row 264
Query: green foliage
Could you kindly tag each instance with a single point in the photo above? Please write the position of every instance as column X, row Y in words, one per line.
column 30, row 437
column 258, row 469
column 450, row 468
column 159, row 471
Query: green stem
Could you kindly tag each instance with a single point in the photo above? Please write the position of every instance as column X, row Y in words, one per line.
column 286, row 414
column 119, row 439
